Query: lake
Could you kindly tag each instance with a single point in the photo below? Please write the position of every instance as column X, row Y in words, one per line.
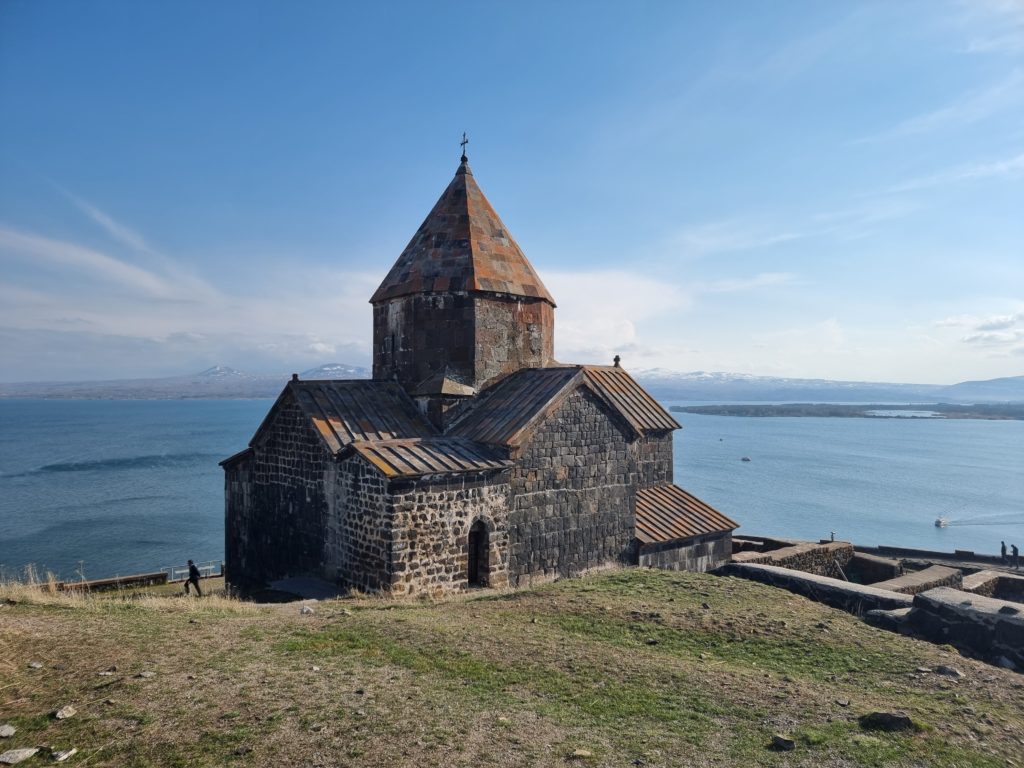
column 105, row 487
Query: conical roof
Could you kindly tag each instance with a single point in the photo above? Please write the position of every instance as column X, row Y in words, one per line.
column 462, row 245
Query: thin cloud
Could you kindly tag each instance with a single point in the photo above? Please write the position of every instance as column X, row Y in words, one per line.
column 1010, row 167
column 86, row 260
column 970, row 108
column 763, row 280
column 115, row 229
column 1003, row 23
column 732, row 235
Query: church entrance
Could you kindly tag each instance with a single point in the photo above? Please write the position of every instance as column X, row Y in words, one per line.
column 478, row 548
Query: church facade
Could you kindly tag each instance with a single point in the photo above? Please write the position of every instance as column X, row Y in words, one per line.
column 472, row 457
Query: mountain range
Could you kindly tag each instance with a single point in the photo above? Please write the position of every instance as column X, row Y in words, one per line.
column 220, row 381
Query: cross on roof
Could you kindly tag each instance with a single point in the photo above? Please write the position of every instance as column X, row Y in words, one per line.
column 464, row 142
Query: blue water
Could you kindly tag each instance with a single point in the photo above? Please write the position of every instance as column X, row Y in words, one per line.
column 111, row 487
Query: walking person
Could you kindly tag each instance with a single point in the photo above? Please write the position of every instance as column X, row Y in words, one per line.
column 193, row 578
column 1002, row 552
column 1016, row 556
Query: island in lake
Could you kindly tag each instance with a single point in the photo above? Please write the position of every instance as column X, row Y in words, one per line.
column 994, row 411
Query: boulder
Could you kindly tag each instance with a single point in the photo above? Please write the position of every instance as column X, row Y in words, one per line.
column 888, row 721
column 15, row 756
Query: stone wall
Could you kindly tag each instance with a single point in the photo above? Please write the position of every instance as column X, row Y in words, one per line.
column 472, row 338
column 275, row 503
column 867, row 569
column 511, row 333
column 981, row 626
column 416, row 337
column 853, row 598
column 358, row 533
column 430, row 522
column 821, row 559
column 919, row 581
column 653, row 454
column 573, row 494
column 1003, row 586
column 702, row 553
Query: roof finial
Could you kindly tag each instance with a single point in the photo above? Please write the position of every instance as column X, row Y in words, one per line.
column 617, row 360
column 464, row 142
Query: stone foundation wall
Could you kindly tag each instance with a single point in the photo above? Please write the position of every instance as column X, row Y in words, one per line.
column 920, row 581
column 981, row 626
column 573, row 494
column 870, row 568
column 996, row 584
column 819, row 559
column 275, row 503
column 703, row 553
column 430, row 523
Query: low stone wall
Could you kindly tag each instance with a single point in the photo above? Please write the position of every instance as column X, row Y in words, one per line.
column 868, row 569
column 1003, row 586
column 929, row 554
column 819, row 559
column 854, row 598
column 920, row 581
column 981, row 626
column 703, row 553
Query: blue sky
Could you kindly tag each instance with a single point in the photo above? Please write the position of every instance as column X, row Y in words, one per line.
column 801, row 189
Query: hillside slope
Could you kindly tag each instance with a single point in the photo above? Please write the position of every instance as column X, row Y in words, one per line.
column 624, row 668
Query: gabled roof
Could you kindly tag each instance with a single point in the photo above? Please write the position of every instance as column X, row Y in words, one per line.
column 667, row 512
column 462, row 245
column 344, row 412
column 507, row 411
column 430, row 456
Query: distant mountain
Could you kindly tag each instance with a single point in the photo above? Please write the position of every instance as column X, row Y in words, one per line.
column 337, row 371
column 733, row 387
column 220, row 381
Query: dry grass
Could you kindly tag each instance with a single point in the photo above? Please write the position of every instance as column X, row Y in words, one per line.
column 629, row 667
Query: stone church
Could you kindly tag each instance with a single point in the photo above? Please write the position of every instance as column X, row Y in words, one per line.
column 472, row 457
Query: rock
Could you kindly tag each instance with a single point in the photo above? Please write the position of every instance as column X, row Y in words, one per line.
column 924, row 670
column 35, row 665
column 581, row 754
column 6, row 731
column 65, row 712
column 105, row 673
column 1005, row 663
column 843, row 702
column 948, row 671
column 888, row 721
column 306, row 610
column 1009, row 610
column 146, row 675
column 783, row 743
column 15, row 756
column 652, row 641
column 59, row 756
column 314, row 668
column 705, row 606
column 109, row 702
column 243, row 751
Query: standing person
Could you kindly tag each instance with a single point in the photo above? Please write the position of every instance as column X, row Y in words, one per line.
column 1002, row 552
column 1016, row 556
column 193, row 578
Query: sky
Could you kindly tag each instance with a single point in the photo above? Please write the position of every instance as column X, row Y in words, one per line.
column 804, row 189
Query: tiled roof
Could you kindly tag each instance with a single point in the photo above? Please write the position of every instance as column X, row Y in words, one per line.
column 667, row 512
column 462, row 245
column 621, row 391
column 505, row 411
column 430, row 456
column 344, row 412
column 507, row 408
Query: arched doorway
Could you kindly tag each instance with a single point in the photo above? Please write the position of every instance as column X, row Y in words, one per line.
column 479, row 568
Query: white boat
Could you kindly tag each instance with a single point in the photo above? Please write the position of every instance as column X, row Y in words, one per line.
column 941, row 522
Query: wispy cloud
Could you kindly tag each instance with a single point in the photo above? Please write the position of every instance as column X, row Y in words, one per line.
column 1001, row 25
column 969, row 108
column 732, row 235
column 15, row 244
column 735, row 285
column 1009, row 167
column 115, row 229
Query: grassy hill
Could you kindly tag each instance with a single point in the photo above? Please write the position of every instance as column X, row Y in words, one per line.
column 624, row 668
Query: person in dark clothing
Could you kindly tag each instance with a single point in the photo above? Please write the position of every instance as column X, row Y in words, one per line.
column 193, row 578
column 1002, row 552
column 1016, row 556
